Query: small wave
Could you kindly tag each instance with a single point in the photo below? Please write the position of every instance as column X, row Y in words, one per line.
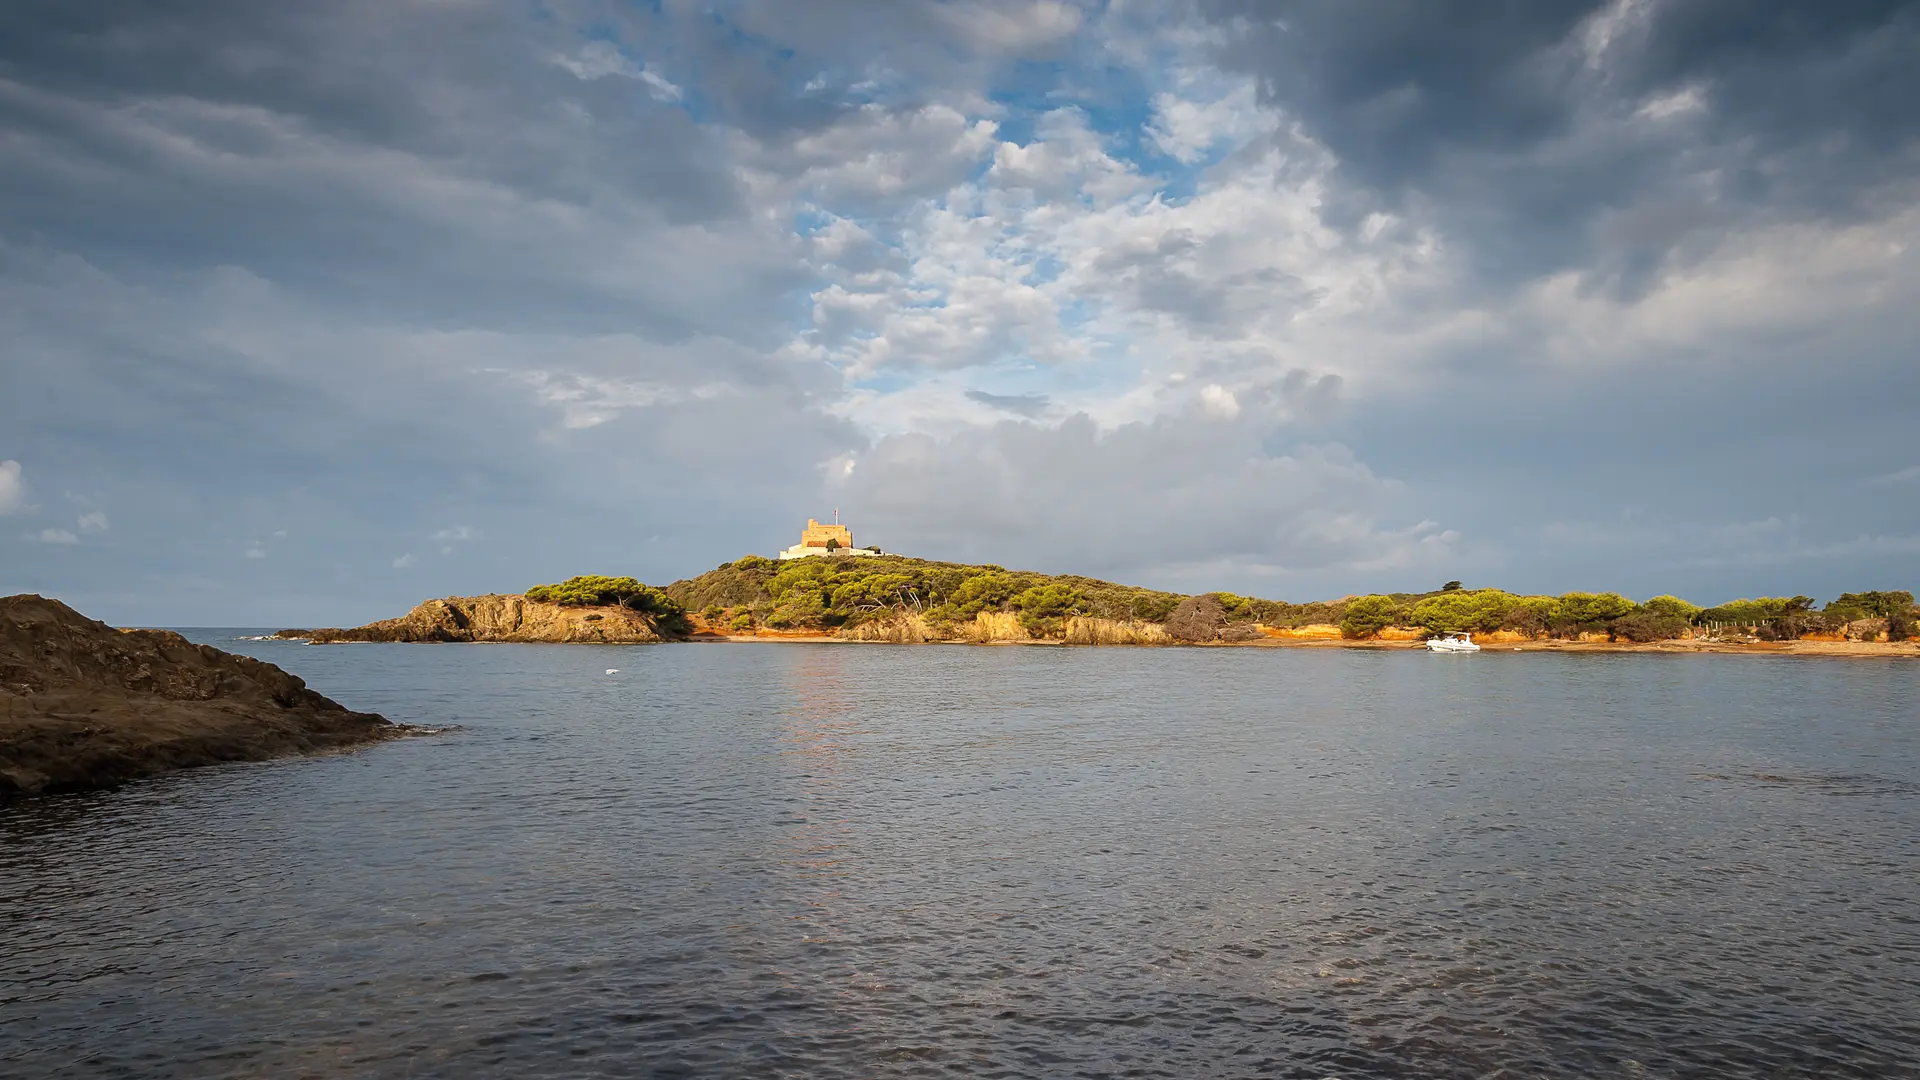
column 1821, row 783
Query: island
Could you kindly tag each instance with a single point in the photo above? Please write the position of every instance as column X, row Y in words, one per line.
column 834, row 594
column 85, row 706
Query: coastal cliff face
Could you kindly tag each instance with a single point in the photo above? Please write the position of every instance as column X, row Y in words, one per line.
column 507, row 618
column 83, row 705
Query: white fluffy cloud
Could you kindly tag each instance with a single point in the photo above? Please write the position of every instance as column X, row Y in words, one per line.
column 1063, row 254
column 599, row 59
column 449, row 539
column 875, row 153
column 1188, row 130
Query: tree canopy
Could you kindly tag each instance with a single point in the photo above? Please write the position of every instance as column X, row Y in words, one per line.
column 599, row 590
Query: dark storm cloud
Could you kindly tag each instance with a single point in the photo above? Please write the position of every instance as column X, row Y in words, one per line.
column 1601, row 136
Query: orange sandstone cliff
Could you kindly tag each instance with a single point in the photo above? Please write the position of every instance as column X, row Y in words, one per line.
column 508, row 618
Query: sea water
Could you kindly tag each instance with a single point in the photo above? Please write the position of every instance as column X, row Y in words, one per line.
column 855, row 861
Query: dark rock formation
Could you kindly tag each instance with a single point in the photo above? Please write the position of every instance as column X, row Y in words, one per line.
column 83, row 705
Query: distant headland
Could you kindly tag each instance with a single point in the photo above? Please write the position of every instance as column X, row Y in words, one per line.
column 825, row 589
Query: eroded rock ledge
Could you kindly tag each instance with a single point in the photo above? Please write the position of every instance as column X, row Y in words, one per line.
column 507, row 618
column 83, row 705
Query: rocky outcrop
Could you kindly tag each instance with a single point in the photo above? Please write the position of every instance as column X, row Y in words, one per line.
column 508, row 618
column 991, row 626
column 1085, row 630
column 900, row 628
column 83, row 705
column 1310, row 632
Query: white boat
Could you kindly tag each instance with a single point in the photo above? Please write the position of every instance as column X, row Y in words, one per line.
column 1453, row 642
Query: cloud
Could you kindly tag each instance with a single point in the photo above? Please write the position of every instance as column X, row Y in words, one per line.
column 1147, row 501
column 1188, row 130
column 588, row 401
column 1244, row 275
column 404, row 561
column 459, row 534
column 1219, row 401
column 1522, row 133
column 13, row 490
column 1226, row 293
column 57, row 536
column 1027, row 405
column 599, row 59
column 879, row 152
column 93, row 521
column 1009, row 25
column 488, row 144
column 255, row 550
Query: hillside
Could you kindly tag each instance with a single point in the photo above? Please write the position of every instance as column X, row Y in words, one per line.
column 893, row 598
column 903, row 599
column 83, row 705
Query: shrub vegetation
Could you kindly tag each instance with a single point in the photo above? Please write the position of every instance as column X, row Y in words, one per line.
column 835, row 592
column 598, row 590
column 832, row 593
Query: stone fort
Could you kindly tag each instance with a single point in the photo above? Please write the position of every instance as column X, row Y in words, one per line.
column 813, row 541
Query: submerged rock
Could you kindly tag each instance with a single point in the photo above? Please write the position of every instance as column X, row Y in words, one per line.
column 507, row 618
column 83, row 705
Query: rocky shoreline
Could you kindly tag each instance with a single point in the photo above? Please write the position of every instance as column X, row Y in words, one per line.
column 1695, row 647
column 504, row 618
column 84, row 705
column 511, row 618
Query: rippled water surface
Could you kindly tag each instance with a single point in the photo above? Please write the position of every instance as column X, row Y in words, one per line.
column 854, row 861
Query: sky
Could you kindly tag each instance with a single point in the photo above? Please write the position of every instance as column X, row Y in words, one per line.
column 311, row 311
